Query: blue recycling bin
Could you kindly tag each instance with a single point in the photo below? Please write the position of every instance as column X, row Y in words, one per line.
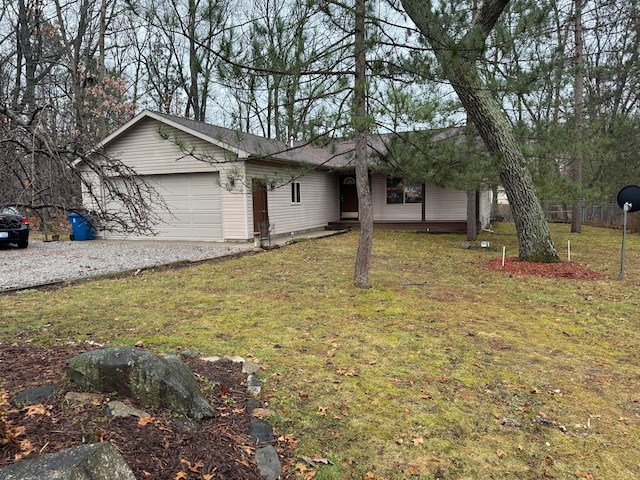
column 81, row 227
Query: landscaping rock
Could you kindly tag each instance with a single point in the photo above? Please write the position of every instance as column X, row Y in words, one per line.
column 36, row 395
column 234, row 358
column 133, row 372
column 261, row 431
column 98, row 461
column 250, row 368
column 268, row 462
column 119, row 409
column 254, row 388
column 83, row 398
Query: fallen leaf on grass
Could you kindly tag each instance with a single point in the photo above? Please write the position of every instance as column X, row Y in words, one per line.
column 418, row 441
column 501, row 453
column 291, row 442
column 310, row 475
column 316, row 460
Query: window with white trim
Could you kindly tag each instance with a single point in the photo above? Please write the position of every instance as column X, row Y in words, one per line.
column 295, row 192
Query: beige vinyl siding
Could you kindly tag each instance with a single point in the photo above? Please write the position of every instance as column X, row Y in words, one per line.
column 485, row 208
column 143, row 149
column 236, row 204
column 90, row 202
column 445, row 204
column 319, row 200
column 385, row 212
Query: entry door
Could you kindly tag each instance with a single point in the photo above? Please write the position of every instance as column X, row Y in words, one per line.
column 260, row 209
column 348, row 197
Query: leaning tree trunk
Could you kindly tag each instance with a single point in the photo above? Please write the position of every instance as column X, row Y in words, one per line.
column 458, row 58
column 497, row 133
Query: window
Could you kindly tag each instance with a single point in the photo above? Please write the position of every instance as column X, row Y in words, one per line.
column 295, row 192
column 398, row 193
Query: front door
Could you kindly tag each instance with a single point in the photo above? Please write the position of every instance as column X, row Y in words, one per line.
column 348, row 197
column 260, row 209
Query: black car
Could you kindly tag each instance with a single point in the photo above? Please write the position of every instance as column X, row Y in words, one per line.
column 14, row 227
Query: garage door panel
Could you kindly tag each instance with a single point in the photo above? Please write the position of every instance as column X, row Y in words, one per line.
column 200, row 189
column 205, row 218
column 194, row 205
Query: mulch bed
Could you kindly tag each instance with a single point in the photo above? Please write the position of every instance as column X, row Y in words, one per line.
column 573, row 270
column 154, row 447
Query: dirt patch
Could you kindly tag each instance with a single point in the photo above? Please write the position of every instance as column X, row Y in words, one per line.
column 574, row 270
column 155, row 447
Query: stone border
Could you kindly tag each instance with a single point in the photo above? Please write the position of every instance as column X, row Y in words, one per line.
column 266, row 455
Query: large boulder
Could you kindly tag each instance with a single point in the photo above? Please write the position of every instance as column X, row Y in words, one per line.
column 97, row 461
column 132, row 372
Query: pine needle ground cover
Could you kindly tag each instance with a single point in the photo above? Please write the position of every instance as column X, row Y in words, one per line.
column 449, row 367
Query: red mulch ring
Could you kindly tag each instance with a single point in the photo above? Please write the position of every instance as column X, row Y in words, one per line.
column 574, row 270
column 154, row 448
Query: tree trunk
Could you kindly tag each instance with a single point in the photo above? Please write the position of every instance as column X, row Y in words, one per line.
column 472, row 218
column 365, row 209
column 458, row 60
column 576, row 167
column 496, row 131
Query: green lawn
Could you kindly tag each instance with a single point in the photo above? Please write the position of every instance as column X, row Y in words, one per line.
column 444, row 369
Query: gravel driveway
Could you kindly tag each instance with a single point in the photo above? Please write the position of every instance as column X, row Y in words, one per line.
column 48, row 262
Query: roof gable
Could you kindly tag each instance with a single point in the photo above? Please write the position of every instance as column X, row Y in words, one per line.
column 244, row 145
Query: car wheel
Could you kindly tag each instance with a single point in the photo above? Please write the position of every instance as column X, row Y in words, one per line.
column 23, row 243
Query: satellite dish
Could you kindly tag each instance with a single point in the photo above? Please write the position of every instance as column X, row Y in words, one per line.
column 629, row 195
column 629, row 201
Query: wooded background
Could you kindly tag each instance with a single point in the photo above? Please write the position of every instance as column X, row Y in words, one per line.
column 565, row 72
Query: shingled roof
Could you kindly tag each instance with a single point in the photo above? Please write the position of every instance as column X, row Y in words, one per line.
column 336, row 155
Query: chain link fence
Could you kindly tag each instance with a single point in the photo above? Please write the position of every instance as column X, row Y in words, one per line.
column 606, row 215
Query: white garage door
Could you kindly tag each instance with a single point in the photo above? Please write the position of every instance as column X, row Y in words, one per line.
column 194, row 207
column 194, row 204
